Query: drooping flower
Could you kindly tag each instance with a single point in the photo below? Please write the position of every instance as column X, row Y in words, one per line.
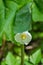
column 23, row 38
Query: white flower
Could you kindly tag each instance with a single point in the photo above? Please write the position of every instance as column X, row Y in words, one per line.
column 23, row 38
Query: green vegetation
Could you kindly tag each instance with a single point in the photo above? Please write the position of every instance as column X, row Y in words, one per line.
column 18, row 16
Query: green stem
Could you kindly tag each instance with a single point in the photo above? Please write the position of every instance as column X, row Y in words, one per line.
column 22, row 54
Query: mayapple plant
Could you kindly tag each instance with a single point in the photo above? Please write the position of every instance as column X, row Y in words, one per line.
column 23, row 38
column 15, row 18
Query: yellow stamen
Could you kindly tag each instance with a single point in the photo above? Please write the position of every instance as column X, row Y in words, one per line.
column 23, row 36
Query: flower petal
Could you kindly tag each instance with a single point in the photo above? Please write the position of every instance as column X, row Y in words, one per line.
column 26, row 43
column 17, row 37
column 25, row 40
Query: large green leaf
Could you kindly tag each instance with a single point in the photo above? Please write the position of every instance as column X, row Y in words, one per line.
column 39, row 4
column 7, row 15
column 8, row 20
column 36, row 14
column 35, row 58
column 10, row 60
column 23, row 19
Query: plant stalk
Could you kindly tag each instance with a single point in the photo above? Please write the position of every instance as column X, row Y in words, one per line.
column 22, row 54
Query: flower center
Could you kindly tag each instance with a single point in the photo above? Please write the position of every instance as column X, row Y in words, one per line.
column 23, row 36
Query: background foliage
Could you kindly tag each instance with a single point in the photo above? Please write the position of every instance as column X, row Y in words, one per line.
column 18, row 16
